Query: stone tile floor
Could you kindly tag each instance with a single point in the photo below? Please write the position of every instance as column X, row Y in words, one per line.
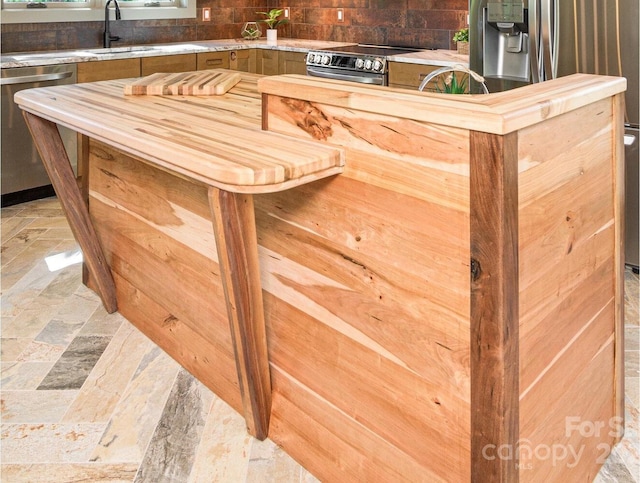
column 87, row 397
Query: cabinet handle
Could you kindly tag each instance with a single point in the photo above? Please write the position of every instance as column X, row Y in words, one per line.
column 214, row 61
column 233, row 55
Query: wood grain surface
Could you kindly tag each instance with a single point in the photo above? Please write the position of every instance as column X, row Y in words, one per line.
column 495, row 356
column 56, row 162
column 567, row 262
column 384, row 354
column 235, row 229
column 540, row 219
column 198, row 83
column 497, row 113
column 213, row 139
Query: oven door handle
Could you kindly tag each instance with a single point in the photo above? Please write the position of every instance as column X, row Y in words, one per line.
column 378, row 80
column 28, row 79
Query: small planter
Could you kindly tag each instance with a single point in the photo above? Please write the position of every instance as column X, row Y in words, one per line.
column 272, row 21
column 251, row 31
column 461, row 38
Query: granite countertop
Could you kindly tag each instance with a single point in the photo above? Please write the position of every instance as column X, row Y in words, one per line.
column 32, row 59
column 432, row 57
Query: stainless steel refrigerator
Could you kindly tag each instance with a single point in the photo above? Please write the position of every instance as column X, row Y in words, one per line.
column 517, row 42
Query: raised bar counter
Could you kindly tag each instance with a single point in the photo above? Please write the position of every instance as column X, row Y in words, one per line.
column 391, row 285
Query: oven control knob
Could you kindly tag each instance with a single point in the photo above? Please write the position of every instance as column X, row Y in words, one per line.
column 359, row 63
column 326, row 59
column 367, row 64
column 377, row 65
column 311, row 58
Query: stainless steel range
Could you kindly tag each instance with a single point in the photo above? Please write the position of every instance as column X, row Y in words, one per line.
column 366, row 64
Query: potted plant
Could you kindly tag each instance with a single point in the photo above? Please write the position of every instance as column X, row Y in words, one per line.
column 461, row 38
column 450, row 84
column 447, row 82
column 273, row 22
column 251, row 31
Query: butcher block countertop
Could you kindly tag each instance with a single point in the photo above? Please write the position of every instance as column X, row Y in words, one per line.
column 496, row 113
column 213, row 139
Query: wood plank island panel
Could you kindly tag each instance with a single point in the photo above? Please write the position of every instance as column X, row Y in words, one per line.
column 399, row 234
column 397, row 242
column 346, row 257
column 567, row 266
column 363, row 319
column 156, row 231
column 559, row 284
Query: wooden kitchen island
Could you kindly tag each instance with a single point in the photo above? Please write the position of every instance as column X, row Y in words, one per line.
column 391, row 285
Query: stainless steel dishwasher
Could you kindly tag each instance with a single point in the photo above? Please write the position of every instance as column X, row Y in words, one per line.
column 22, row 174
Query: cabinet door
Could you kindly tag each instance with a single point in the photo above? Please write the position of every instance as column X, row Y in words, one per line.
column 409, row 76
column 292, row 63
column 267, row 62
column 169, row 63
column 243, row 60
column 108, row 70
column 213, row 60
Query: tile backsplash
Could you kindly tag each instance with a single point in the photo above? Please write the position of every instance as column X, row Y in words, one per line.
column 419, row 23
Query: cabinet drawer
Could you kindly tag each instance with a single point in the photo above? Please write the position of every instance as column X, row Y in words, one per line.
column 213, row 60
column 168, row 63
column 108, row 70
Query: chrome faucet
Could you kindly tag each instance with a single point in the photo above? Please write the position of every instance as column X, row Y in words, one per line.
column 108, row 38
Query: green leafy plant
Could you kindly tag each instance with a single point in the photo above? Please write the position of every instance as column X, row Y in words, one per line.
column 461, row 35
column 272, row 19
column 450, row 84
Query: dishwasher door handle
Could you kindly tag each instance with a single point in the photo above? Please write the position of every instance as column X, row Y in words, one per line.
column 29, row 79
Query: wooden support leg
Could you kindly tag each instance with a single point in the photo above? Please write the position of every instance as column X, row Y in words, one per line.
column 47, row 139
column 235, row 230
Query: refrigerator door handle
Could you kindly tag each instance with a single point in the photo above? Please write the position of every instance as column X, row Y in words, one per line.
column 549, row 38
column 534, row 41
column 555, row 37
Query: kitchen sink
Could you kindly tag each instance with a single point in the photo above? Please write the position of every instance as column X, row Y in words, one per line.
column 121, row 50
column 146, row 48
column 51, row 56
column 48, row 55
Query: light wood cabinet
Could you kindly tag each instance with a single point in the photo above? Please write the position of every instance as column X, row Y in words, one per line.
column 243, row 60
column 168, row 63
column 213, row 60
column 409, row 76
column 267, row 62
column 108, row 70
column 292, row 62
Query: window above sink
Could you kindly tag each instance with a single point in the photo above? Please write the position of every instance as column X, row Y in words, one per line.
column 19, row 11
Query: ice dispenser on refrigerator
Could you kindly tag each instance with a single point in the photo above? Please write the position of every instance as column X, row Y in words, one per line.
column 506, row 41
